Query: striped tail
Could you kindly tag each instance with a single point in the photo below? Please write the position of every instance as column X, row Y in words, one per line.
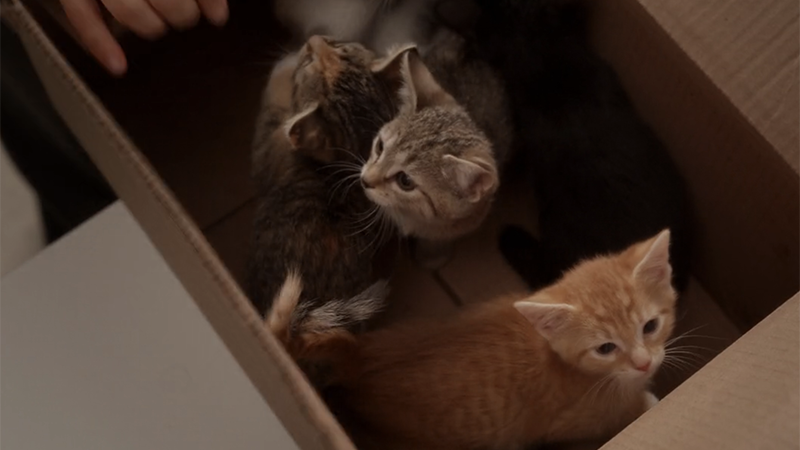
column 320, row 334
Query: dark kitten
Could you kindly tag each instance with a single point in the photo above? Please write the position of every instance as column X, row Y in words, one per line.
column 322, row 108
column 601, row 177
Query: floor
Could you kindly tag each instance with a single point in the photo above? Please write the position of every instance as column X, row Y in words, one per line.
column 21, row 228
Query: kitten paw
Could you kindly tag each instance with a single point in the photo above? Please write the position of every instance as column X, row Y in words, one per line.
column 650, row 400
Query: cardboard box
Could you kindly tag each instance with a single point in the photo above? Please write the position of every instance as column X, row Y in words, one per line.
column 717, row 81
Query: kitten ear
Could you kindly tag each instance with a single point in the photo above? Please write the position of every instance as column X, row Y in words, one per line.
column 548, row 318
column 654, row 269
column 421, row 89
column 304, row 130
column 391, row 68
column 475, row 180
column 392, row 65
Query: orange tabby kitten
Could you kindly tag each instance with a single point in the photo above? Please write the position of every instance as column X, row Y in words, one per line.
column 570, row 362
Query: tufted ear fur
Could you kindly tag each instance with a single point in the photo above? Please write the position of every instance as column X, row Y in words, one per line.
column 653, row 269
column 473, row 178
column 420, row 88
column 548, row 318
column 394, row 59
column 390, row 69
column 306, row 133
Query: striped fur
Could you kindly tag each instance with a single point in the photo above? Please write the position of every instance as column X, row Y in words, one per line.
column 316, row 334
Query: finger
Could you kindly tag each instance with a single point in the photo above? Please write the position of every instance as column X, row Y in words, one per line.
column 181, row 14
column 138, row 16
column 216, row 11
column 84, row 15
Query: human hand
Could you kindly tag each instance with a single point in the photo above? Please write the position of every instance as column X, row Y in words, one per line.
column 149, row 19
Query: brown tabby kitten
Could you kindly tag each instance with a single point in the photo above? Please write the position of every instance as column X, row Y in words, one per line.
column 322, row 107
column 434, row 168
column 570, row 362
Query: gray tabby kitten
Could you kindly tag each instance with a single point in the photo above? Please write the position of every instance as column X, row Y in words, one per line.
column 322, row 108
column 434, row 168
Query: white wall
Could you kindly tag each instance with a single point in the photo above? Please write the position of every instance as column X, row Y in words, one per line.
column 22, row 232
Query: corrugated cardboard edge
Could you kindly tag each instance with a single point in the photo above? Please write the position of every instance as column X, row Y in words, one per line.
column 746, row 398
column 751, row 51
column 182, row 245
column 739, row 184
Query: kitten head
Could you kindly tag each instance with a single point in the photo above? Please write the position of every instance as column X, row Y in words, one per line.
column 342, row 93
column 610, row 315
column 431, row 169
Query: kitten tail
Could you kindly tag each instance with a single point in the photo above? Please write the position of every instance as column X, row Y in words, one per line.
column 320, row 334
column 279, row 319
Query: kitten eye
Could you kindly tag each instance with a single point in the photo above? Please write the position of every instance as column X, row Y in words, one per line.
column 404, row 181
column 379, row 147
column 650, row 326
column 606, row 348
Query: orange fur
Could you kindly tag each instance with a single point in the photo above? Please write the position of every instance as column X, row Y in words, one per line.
column 521, row 370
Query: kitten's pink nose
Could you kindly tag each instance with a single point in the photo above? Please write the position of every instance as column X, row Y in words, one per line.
column 365, row 184
column 644, row 366
column 317, row 43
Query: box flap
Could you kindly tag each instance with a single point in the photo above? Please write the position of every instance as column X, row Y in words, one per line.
column 746, row 398
column 182, row 245
column 750, row 50
column 745, row 197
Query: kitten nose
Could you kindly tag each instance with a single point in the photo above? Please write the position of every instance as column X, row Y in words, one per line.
column 317, row 43
column 365, row 184
column 645, row 366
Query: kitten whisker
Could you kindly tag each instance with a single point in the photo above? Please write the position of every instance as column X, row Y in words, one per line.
column 685, row 348
column 343, row 170
column 366, row 248
column 345, row 181
column 348, row 164
column 667, row 365
column 695, row 347
column 674, row 368
column 390, row 231
column 361, row 218
column 699, row 336
column 682, row 362
column 365, row 225
column 683, row 335
column 355, row 182
column 342, row 162
column 366, row 211
column 671, row 365
column 688, row 335
column 689, row 358
column 384, row 232
column 686, row 356
column 360, row 160
column 596, row 388
column 378, row 236
column 370, row 219
column 352, row 179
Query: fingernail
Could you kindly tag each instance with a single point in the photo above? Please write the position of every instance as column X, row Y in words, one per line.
column 219, row 14
column 116, row 65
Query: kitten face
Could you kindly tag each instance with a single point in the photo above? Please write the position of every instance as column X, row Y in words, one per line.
column 343, row 94
column 321, row 65
column 611, row 315
column 431, row 169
